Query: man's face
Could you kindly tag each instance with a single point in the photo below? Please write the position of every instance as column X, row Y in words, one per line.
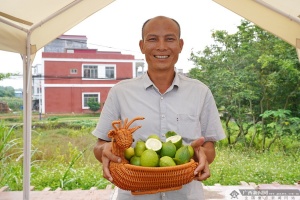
column 161, row 44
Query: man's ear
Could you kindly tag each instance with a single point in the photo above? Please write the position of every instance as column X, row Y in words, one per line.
column 141, row 44
column 181, row 43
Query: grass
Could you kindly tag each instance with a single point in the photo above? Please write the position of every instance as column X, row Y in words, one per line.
column 62, row 156
column 234, row 165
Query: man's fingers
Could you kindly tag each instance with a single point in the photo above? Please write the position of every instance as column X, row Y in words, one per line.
column 204, row 174
column 113, row 157
column 107, row 157
column 197, row 143
column 105, row 167
column 107, row 153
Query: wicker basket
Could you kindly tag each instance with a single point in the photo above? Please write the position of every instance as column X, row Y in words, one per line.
column 150, row 180
column 143, row 180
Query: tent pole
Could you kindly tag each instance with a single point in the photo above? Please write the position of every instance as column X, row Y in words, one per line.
column 27, row 119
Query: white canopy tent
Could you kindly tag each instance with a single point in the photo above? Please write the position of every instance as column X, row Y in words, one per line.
column 25, row 27
column 281, row 18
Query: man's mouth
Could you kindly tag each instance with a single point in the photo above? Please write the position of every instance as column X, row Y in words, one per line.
column 161, row 57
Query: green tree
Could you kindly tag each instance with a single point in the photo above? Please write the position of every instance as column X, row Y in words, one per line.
column 94, row 105
column 3, row 76
column 249, row 72
column 7, row 91
column 279, row 124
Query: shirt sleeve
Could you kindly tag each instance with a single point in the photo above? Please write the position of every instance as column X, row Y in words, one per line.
column 109, row 113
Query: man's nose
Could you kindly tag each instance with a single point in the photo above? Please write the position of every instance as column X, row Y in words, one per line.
column 161, row 45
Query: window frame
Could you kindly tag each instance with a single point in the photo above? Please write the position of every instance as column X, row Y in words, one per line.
column 73, row 71
column 100, row 68
column 83, row 97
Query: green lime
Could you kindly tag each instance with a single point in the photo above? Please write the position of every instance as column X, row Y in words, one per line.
column 166, row 161
column 153, row 144
column 135, row 161
column 182, row 155
column 170, row 133
column 128, row 153
column 175, row 139
column 139, row 148
column 149, row 158
column 191, row 150
column 168, row 149
column 153, row 136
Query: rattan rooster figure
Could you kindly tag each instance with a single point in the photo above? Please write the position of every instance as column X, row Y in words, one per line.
column 122, row 137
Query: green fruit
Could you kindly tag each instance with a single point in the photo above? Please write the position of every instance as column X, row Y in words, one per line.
column 166, row 161
column 170, row 133
column 191, row 150
column 153, row 136
column 175, row 139
column 149, row 158
column 135, row 161
column 182, row 155
column 168, row 149
column 153, row 144
column 128, row 153
column 139, row 148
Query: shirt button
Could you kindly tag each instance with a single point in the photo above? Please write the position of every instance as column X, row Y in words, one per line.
column 161, row 98
column 163, row 116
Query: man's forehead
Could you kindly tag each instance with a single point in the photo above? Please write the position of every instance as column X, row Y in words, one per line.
column 161, row 27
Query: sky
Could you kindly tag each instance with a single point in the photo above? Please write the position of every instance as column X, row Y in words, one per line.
column 117, row 27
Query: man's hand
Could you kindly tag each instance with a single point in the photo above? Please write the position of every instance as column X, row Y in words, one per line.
column 102, row 152
column 204, row 155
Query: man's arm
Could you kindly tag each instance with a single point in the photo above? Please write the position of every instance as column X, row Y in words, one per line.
column 98, row 149
column 204, row 155
column 209, row 150
column 102, row 152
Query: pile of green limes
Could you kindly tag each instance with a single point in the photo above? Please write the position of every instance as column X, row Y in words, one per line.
column 156, row 153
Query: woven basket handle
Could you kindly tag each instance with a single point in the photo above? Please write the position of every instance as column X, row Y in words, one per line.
column 155, row 191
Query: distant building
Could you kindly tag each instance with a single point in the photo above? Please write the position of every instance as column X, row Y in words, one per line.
column 37, row 79
column 71, row 74
column 19, row 93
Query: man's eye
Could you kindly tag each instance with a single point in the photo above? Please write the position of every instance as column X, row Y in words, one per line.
column 170, row 39
column 151, row 39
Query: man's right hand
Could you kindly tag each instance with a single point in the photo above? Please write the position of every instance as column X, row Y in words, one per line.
column 103, row 154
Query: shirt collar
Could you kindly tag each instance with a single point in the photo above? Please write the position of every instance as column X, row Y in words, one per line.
column 147, row 81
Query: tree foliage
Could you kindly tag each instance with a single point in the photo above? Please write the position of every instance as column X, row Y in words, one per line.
column 3, row 76
column 249, row 72
column 94, row 105
column 7, row 91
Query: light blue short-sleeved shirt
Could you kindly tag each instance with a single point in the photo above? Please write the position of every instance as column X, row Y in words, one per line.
column 187, row 107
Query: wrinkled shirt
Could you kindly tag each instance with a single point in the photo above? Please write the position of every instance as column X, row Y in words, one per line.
column 187, row 107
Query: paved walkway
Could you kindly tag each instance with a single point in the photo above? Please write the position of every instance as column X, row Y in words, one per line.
column 216, row 192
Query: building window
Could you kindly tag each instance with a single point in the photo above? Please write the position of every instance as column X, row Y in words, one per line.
column 109, row 72
column 73, row 71
column 86, row 97
column 99, row 71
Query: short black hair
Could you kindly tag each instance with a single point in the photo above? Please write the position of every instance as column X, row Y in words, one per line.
column 160, row 16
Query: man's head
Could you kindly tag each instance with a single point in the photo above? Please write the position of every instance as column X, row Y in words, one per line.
column 160, row 16
column 161, row 42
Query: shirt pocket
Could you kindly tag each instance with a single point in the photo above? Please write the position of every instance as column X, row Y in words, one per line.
column 188, row 127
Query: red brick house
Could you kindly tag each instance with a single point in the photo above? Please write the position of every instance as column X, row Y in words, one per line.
column 69, row 78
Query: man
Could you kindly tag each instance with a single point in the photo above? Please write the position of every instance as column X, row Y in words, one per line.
column 168, row 101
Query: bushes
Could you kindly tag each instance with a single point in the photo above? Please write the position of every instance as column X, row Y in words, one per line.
column 247, row 164
column 14, row 103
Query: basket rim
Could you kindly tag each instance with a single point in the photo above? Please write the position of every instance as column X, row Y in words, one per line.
column 157, row 169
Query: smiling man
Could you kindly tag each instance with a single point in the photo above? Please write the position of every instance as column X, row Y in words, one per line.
column 169, row 102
